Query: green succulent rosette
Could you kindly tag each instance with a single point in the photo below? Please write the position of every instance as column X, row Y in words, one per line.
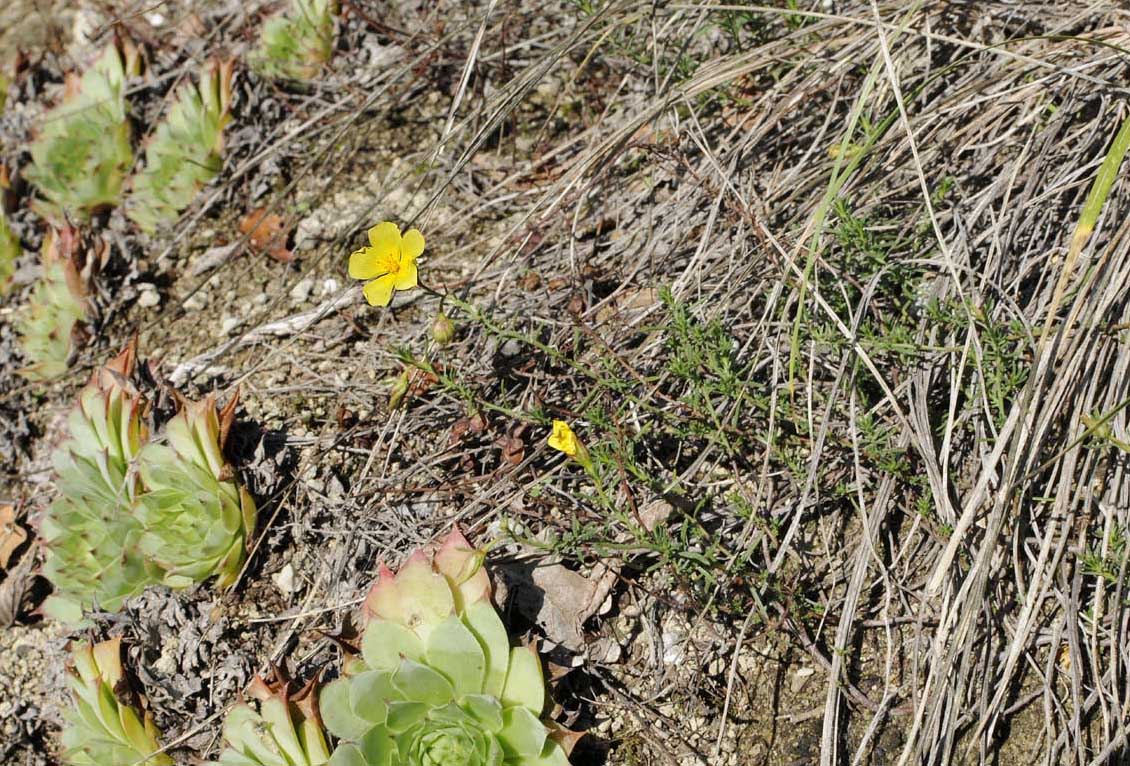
column 185, row 151
column 196, row 518
column 295, row 45
column 274, row 729
column 437, row 682
column 47, row 325
column 104, row 727
column 82, row 152
column 91, row 541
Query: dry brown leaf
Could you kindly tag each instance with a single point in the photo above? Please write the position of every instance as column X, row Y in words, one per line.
column 267, row 234
column 12, row 535
column 14, row 590
column 559, row 599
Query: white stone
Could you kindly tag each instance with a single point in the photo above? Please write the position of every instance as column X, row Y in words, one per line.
column 148, row 297
column 300, row 293
column 284, row 579
column 196, row 302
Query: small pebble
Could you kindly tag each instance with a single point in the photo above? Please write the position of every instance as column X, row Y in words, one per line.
column 284, row 579
column 148, row 297
column 300, row 293
column 197, row 302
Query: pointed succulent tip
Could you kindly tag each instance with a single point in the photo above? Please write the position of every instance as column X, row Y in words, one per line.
column 416, row 558
column 382, row 592
column 82, row 659
column 200, row 406
column 306, row 700
column 462, row 564
column 259, row 689
column 108, row 658
column 227, row 417
column 117, row 370
column 455, row 539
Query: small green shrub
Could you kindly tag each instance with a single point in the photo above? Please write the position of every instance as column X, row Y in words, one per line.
column 296, row 45
column 105, row 727
column 185, row 151
column 82, row 153
column 50, row 322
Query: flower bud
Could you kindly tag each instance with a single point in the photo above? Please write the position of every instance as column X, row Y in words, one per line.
column 399, row 390
column 443, row 329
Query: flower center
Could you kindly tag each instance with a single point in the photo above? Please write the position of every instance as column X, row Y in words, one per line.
column 390, row 263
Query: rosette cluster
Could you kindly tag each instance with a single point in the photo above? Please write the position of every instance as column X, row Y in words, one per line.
column 133, row 511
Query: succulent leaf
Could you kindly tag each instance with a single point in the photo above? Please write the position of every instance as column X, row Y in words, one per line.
column 455, row 652
column 437, row 683
column 104, row 730
column 185, row 151
column 382, row 647
column 82, row 153
column 524, row 684
column 296, row 45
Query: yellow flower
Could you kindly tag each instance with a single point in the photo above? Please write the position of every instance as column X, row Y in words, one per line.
column 563, row 439
column 389, row 261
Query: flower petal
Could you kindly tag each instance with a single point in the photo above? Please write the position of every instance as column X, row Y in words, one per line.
column 406, row 278
column 379, row 291
column 412, row 245
column 385, row 236
column 563, row 439
column 365, row 264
